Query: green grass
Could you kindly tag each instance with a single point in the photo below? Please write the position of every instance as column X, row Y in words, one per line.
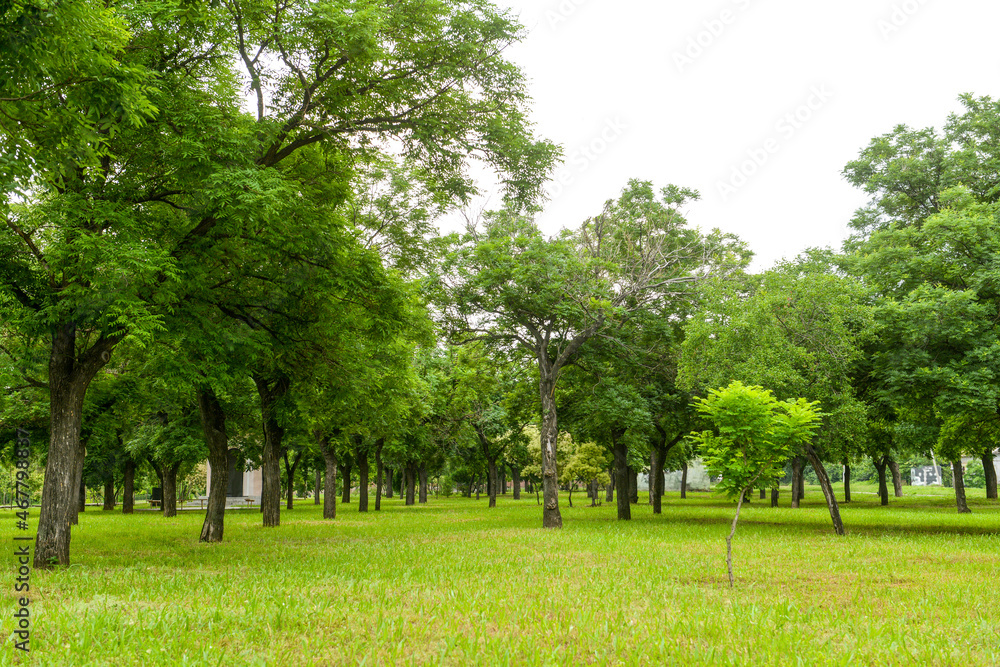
column 455, row 583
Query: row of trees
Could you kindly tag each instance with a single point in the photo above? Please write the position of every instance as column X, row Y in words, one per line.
column 220, row 234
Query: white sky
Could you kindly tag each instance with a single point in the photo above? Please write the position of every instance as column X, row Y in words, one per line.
column 611, row 67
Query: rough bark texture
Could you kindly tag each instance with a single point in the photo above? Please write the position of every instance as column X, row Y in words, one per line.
column 775, row 493
column 422, row 476
column 81, row 498
column 684, row 480
column 622, row 474
column 271, row 390
column 551, row 517
column 897, row 478
column 363, row 477
column 827, row 487
column 847, row 481
column 411, row 481
column 959, row 477
column 633, row 486
column 290, row 469
column 109, row 493
column 883, row 486
column 796, row 480
column 128, row 488
column 213, row 425
column 378, row 473
column 515, row 474
column 347, row 467
column 330, row 478
column 989, row 468
column 491, row 467
column 610, row 495
column 170, row 489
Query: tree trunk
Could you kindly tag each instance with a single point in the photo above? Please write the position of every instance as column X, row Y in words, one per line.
column 827, row 487
column 270, row 392
column 515, row 474
column 684, row 480
column 796, row 480
column 491, row 467
column 128, row 487
column 347, row 466
column 109, row 493
column 610, row 495
column 989, row 468
column 290, row 476
column 633, row 486
column 763, row 494
column 422, row 476
column 732, row 532
column 330, row 477
column 551, row 518
column 775, row 492
column 81, row 498
column 897, row 478
column 883, row 487
column 656, row 458
column 847, row 481
column 363, row 480
column 69, row 378
column 213, row 425
column 389, row 472
column 622, row 474
column 503, row 480
column 170, row 489
column 378, row 473
column 959, row 477
column 319, row 480
column 411, row 479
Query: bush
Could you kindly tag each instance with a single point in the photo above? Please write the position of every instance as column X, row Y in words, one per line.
column 447, row 486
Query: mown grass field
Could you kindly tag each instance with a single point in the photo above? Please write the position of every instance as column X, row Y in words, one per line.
column 454, row 583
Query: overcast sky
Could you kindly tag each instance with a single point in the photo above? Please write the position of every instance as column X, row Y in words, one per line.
column 688, row 92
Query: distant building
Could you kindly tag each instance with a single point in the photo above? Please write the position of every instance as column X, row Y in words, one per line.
column 697, row 479
column 243, row 484
column 926, row 476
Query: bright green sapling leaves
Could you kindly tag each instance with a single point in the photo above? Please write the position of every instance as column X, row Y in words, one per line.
column 753, row 435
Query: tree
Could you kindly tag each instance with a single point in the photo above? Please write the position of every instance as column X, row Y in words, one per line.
column 517, row 291
column 588, row 465
column 753, row 435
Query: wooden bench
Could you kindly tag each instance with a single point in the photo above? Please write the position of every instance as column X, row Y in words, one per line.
column 155, row 503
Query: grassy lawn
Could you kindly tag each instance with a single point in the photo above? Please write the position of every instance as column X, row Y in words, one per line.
column 455, row 583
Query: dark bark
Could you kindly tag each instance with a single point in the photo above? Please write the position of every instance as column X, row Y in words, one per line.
column 213, row 425
column 109, row 493
column 551, row 518
column 656, row 480
column 633, row 486
column 763, row 494
column 491, row 468
column 290, row 476
column 684, row 480
column 170, row 489
column 989, row 468
column 422, row 476
column 827, row 488
column 610, row 495
column 959, row 481
column 897, row 478
column 364, row 471
column 81, row 498
column 796, row 480
column 128, row 487
column 411, row 480
column 622, row 474
column 775, row 492
column 271, row 391
column 515, row 474
column 159, row 475
column 319, row 481
column 883, row 488
column 503, row 480
column 346, row 466
column 847, row 481
column 378, row 473
column 330, row 476
column 69, row 376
